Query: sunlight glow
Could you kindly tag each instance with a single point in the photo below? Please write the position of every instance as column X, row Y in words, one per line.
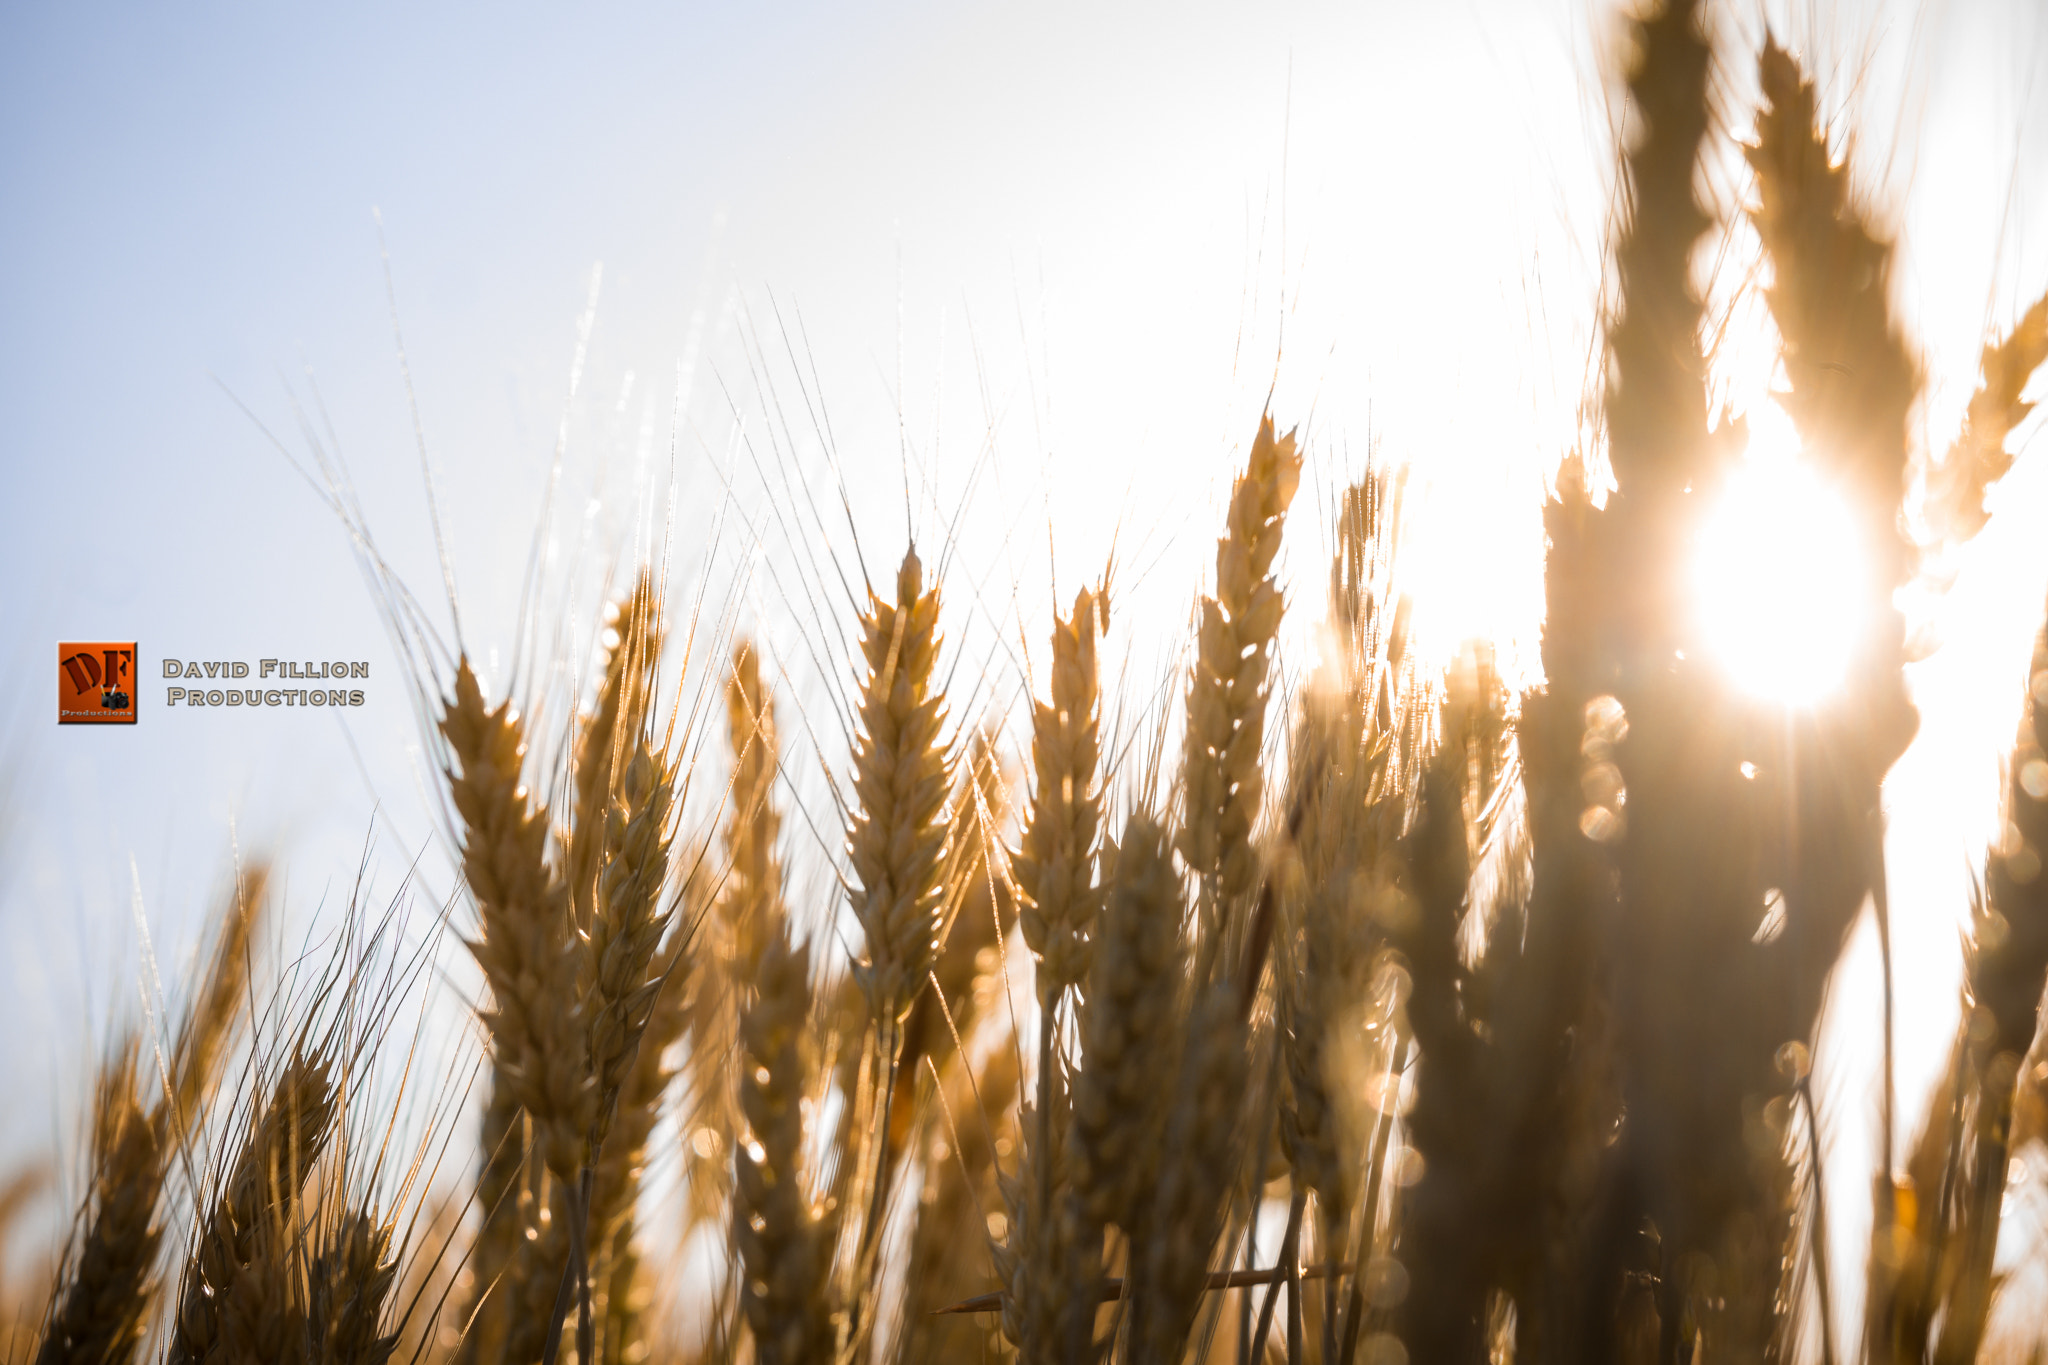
column 1780, row 573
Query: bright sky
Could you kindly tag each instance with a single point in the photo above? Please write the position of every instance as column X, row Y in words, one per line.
column 1076, row 235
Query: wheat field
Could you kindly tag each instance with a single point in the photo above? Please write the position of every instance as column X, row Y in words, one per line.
column 1346, row 1004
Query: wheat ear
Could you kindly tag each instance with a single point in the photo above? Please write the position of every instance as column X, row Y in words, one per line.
column 784, row 1249
column 628, row 927
column 1033, row 1262
column 236, row 1301
column 531, row 960
column 897, row 839
column 1680, row 1160
column 606, row 737
column 1055, row 864
column 525, row 943
column 1852, row 379
column 1054, row 868
column 1227, row 692
column 1129, row 1021
column 210, row 1018
column 350, row 1281
column 103, row 1299
column 2008, row 968
column 107, row 1287
column 750, row 909
column 1853, row 384
column 628, row 980
column 978, row 892
column 1197, row 1167
column 747, row 911
column 1979, row 459
column 617, row 1186
column 1348, row 784
column 1055, row 872
column 617, row 990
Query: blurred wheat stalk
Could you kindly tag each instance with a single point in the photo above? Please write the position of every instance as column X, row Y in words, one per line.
column 1445, row 1025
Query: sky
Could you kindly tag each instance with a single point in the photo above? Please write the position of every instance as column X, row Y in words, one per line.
column 773, row 286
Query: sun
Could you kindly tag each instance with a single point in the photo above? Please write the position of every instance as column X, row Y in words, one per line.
column 1780, row 574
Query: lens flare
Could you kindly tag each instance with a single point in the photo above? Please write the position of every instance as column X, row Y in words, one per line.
column 1780, row 572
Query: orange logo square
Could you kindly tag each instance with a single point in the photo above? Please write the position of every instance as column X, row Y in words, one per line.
column 96, row 683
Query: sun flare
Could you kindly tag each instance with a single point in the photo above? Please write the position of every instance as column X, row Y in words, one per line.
column 1780, row 571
